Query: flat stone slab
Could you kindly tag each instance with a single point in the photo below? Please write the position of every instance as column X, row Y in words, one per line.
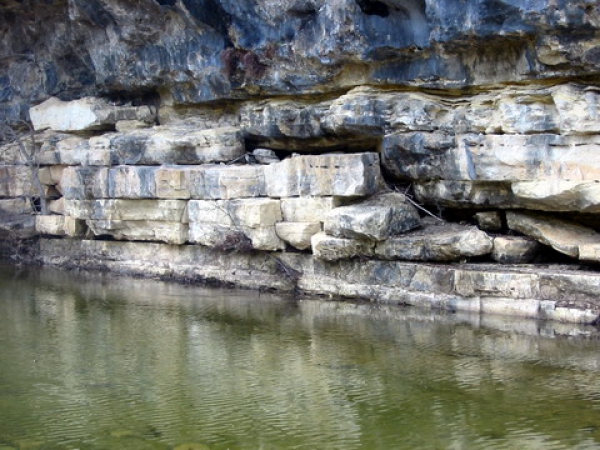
column 376, row 218
column 86, row 114
column 121, row 209
column 141, row 230
column 569, row 238
column 436, row 241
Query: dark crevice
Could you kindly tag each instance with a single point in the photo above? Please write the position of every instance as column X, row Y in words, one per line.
column 373, row 8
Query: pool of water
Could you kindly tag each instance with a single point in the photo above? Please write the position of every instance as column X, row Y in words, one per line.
column 102, row 362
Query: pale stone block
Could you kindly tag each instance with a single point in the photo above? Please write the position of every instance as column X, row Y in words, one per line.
column 307, row 209
column 298, row 234
column 343, row 175
column 558, row 195
column 122, row 209
column 44, row 176
column 332, row 248
column 141, row 230
column 376, row 218
column 564, row 236
column 578, row 108
column 57, row 206
column 171, row 145
column 173, row 182
column 84, row 114
column 514, row 249
column 227, row 182
column 436, row 242
column 59, row 226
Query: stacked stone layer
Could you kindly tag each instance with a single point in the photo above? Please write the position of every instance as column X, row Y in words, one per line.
column 339, row 191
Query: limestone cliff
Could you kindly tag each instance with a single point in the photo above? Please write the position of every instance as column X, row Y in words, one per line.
column 337, row 147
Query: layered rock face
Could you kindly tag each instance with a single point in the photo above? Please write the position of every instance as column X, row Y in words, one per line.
column 306, row 138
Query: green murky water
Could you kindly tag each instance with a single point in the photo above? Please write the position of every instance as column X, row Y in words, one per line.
column 97, row 362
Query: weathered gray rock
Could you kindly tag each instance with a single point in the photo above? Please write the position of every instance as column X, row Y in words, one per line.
column 15, row 181
column 80, row 183
column 56, row 225
column 84, row 114
column 225, row 182
column 135, row 182
column 436, row 242
column 489, row 220
column 564, row 236
column 469, row 157
column 297, row 234
column 141, row 230
column 307, row 209
column 265, row 156
column 15, row 206
column 343, row 175
column 330, row 248
column 128, row 210
column 514, row 249
column 376, row 218
column 465, row 194
column 185, row 145
column 229, row 223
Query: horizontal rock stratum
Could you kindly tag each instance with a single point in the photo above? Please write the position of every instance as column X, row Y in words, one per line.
column 433, row 153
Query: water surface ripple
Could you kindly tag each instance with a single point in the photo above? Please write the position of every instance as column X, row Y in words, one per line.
column 100, row 362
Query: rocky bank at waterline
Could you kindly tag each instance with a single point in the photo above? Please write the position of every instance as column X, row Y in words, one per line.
column 420, row 160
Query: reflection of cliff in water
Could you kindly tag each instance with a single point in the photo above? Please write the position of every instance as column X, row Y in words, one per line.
column 84, row 355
